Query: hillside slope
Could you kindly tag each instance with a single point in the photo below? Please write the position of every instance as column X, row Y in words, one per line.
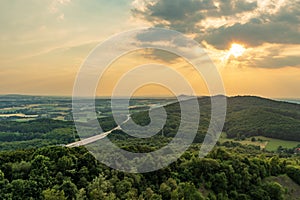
column 252, row 116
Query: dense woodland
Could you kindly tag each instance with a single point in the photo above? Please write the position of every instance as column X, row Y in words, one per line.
column 226, row 173
column 34, row 164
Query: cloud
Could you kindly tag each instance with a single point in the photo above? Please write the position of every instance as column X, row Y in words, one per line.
column 275, row 56
column 168, row 46
column 176, row 14
column 185, row 15
column 231, row 7
column 254, row 33
column 221, row 22
column 281, row 27
column 270, row 56
column 55, row 4
column 61, row 17
column 288, row 61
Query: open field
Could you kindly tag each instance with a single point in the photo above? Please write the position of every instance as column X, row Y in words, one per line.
column 269, row 144
column 273, row 144
column 262, row 144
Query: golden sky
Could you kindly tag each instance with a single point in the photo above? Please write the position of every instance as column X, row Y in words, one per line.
column 255, row 45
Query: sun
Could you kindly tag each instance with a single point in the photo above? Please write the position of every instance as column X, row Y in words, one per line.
column 236, row 50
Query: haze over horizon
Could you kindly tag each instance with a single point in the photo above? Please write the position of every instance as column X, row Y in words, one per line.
column 254, row 44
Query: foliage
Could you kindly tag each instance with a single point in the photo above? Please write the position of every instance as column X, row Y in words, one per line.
column 63, row 173
column 231, row 171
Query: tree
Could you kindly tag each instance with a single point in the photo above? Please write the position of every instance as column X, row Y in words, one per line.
column 274, row 190
column 82, row 194
column 65, row 163
column 21, row 170
column 25, row 189
column 54, row 194
column 123, row 187
column 39, row 171
column 100, row 188
column 4, row 186
column 70, row 189
column 165, row 191
column 188, row 191
column 219, row 182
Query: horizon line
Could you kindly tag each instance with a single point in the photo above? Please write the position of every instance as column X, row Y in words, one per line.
column 153, row 96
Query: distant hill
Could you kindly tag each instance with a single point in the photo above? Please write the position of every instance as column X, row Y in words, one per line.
column 252, row 116
column 247, row 116
column 297, row 101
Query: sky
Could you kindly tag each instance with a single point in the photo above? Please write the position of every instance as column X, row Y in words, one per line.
column 254, row 45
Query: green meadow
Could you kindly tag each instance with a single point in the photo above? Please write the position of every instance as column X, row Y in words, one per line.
column 269, row 144
column 273, row 144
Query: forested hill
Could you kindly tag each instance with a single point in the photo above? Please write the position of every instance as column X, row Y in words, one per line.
column 247, row 116
column 252, row 116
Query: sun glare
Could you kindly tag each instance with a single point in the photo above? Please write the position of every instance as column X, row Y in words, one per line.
column 237, row 50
